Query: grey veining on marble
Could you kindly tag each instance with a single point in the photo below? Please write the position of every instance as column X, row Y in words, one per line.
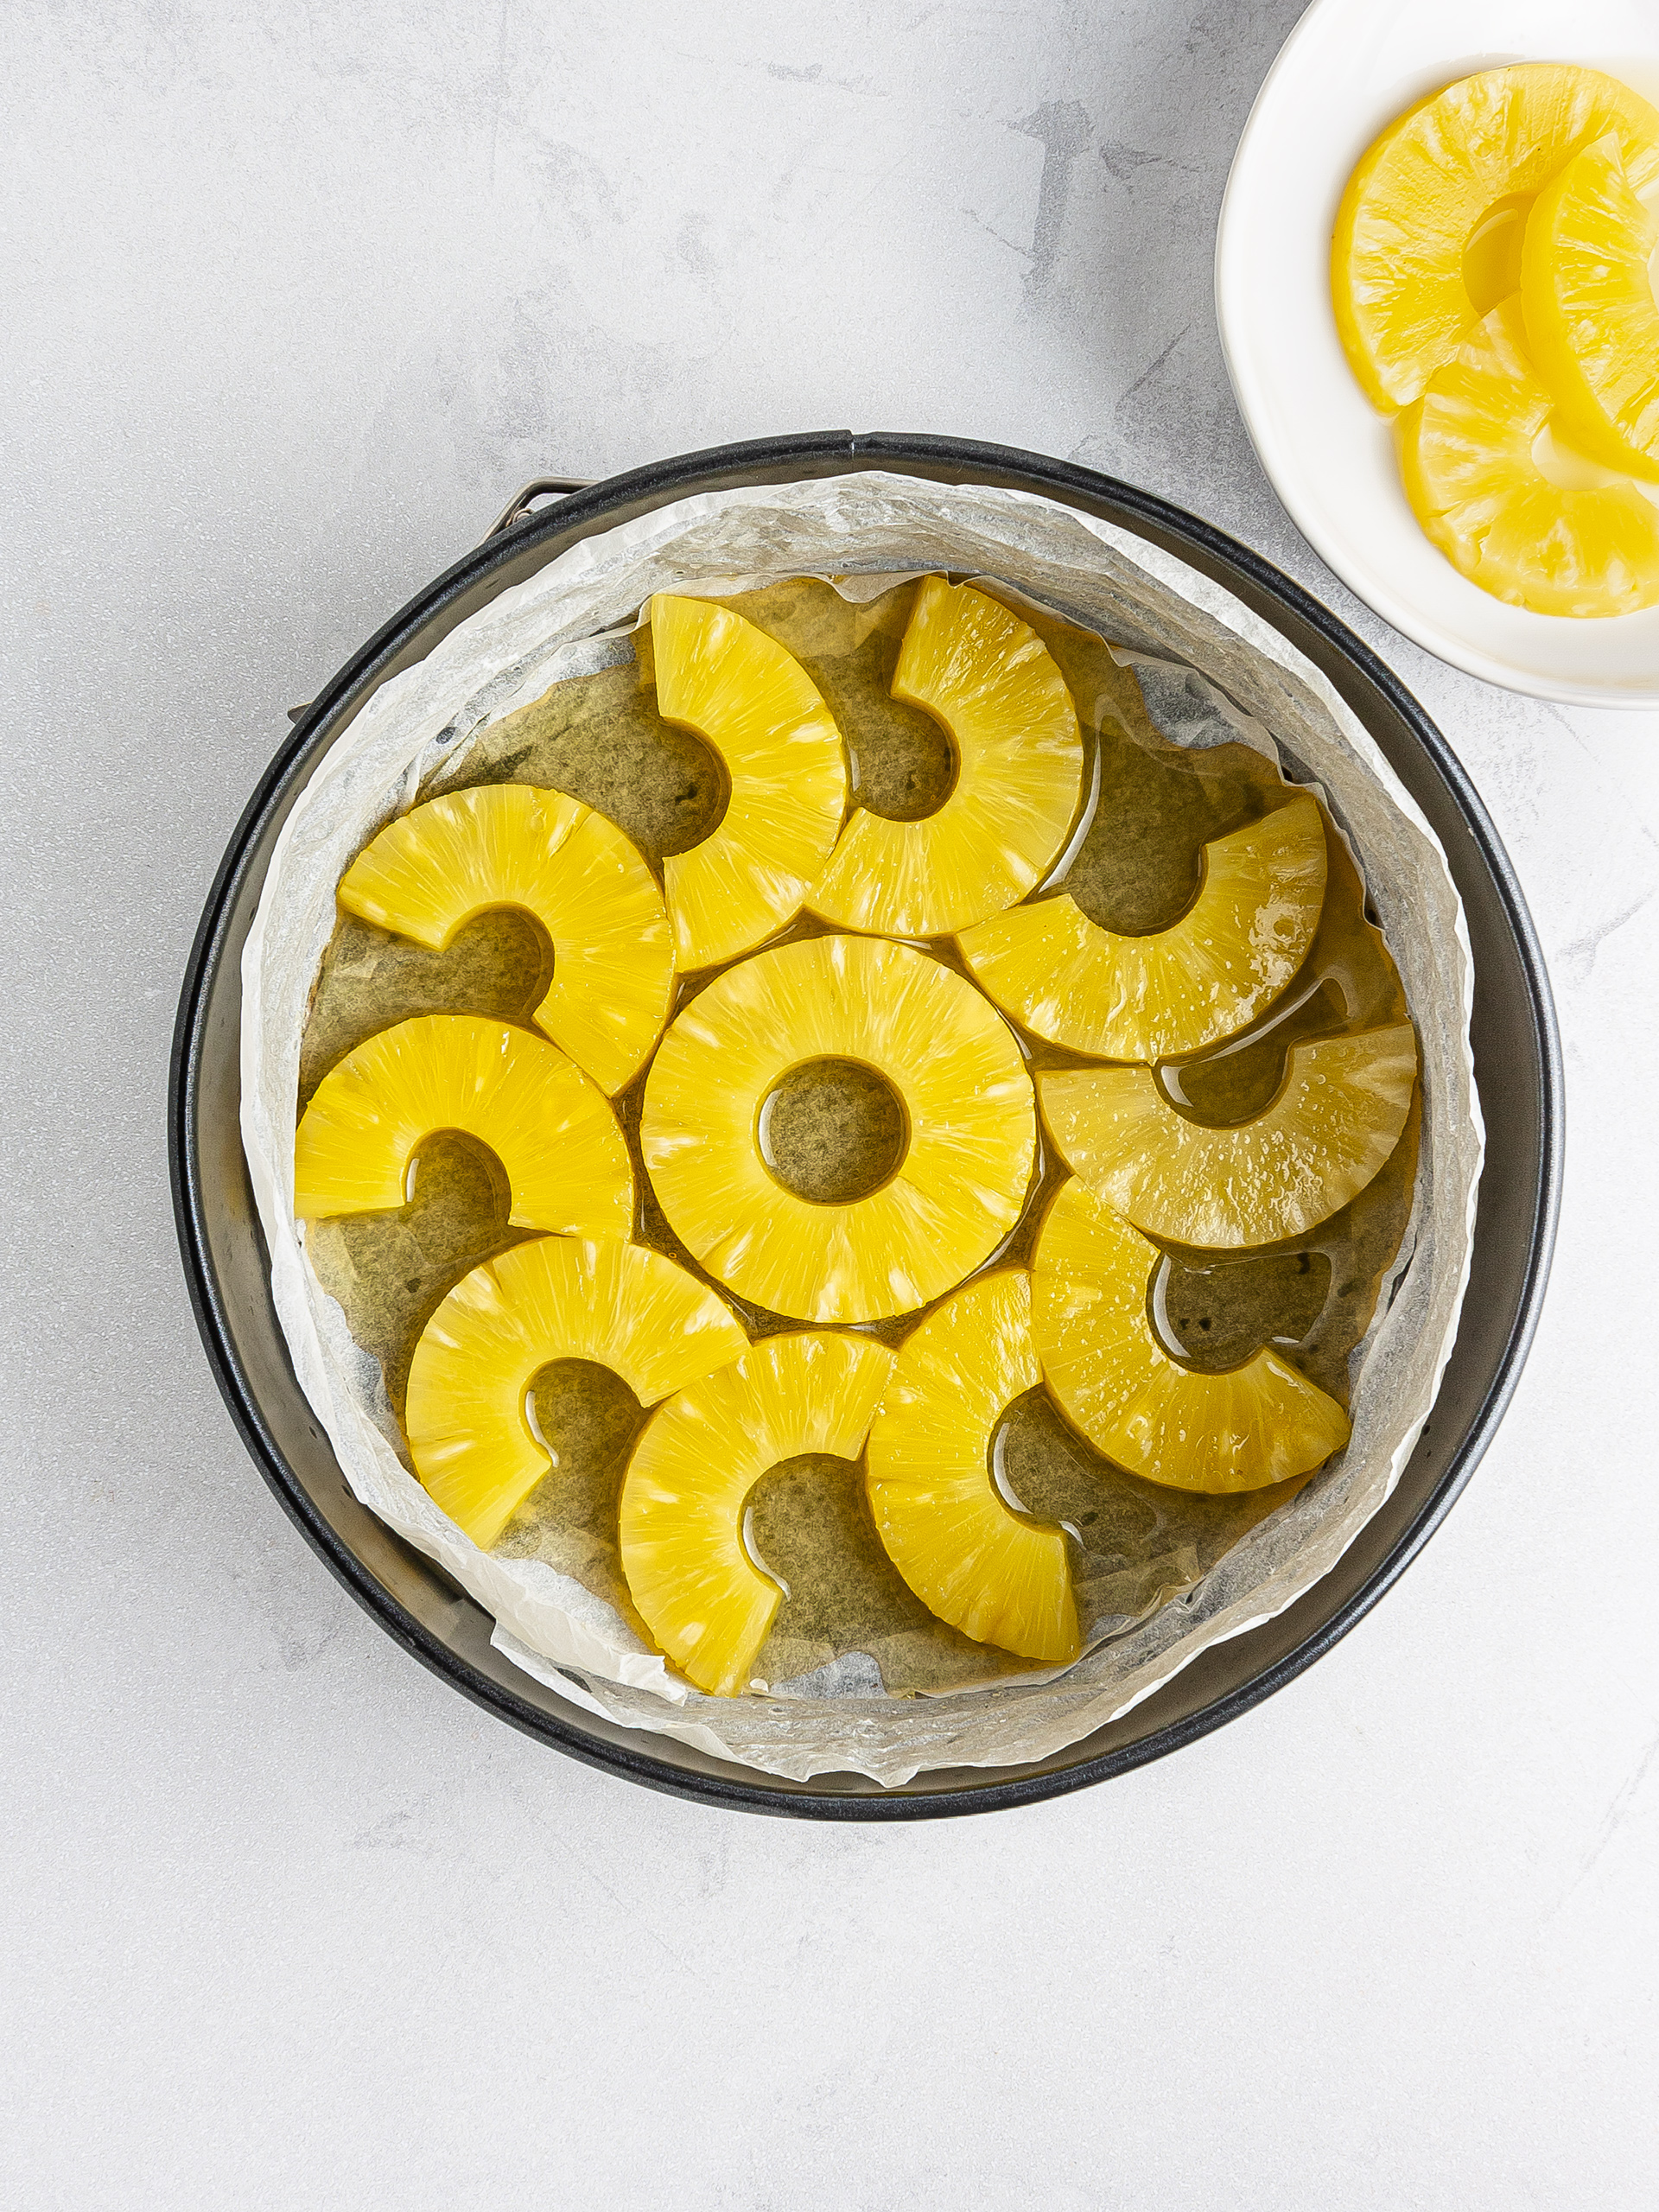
column 295, row 297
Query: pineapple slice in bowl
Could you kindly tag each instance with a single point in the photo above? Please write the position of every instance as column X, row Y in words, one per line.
column 552, row 1130
column 992, row 1572
column 1329, row 1130
column 436, row 868
column 1591, row 320
column 1588, row 548
column 684, row 1553
column 969, row 1143
column 785, row 765
column 1253, row 1426
column 991, row 681
column 1147, row 998
column 560, row 1298
column 1428, row 236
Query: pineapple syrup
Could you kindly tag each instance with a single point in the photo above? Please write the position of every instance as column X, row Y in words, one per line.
column 832, row 1132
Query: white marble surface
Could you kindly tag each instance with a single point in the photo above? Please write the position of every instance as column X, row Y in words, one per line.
column 295, row 297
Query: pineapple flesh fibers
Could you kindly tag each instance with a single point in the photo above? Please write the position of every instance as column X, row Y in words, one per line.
column 553, row 1131
column 990, row 1571
column 957, row 1191
column 1592, row 322
column 1146, row 998
column 1257, row 1424
column 1466, row 456
column 560, row 1297
column 1338, row 1116
column 688, row 1570
column 1429, row 231
column 436, row 868
column 991, row 680
column 785, row 765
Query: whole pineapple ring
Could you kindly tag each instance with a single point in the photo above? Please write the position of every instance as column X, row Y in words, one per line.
column 993, row 683
column 955, row 1194
column 753, row 703
column 689, row 1570
column 1255, row 1425
column 1146, row 998
column 1467, row 460
column 1480, row 149
column 440, row 866
column 967, row 1556
column 560, row 1298
column 552, row 1130
column 1329, row 1130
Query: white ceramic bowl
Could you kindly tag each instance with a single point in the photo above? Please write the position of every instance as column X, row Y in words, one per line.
column 1347, row 69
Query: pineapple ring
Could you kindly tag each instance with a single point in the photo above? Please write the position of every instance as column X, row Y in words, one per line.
column 618, row 1305
column 955, row 1194
column 1335, row 1119
column 1145, row 998
column 437, row 867
column 1471, row 157
column 552, row 1130
column 1256, row 1424
column 992, row 682
column 967, row 1556
column 755, row 703
column 1592, row 322
column 1466, row 458
column 688, row 1570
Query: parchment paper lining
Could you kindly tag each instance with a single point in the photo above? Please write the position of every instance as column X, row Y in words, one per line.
column 1210, row 669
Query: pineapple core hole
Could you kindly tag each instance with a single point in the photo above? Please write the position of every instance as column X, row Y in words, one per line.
column 1491, row 259
column 585, row 1418
column 833, row 1131
column 1215, row 1316
column 1040, row 1470
column 904, row 764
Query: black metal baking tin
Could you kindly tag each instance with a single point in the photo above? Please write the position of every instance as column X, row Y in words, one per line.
column 1517, row 1060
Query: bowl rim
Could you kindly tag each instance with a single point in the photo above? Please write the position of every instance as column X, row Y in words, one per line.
column 421, row 622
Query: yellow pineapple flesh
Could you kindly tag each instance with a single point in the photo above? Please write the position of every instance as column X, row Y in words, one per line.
column 1255, row 1424
column 955, row 1194
column 688, row 1570
column 553, row 1131
column 1330, row 1130
column 618, row 1305
column 1467, row 456
column 995, row 1573
column 1591, row 320
column 436, row 868
column 1439, row 201
column 992, row 682
column 1146, row 998
column 785, row 763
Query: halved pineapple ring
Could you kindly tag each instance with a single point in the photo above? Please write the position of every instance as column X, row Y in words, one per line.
column 1256, row 1424
column 552, row 1130
column 1146, row 998
column 438, row 866
column 1439, row 203
column 1466, row 459
column 1337, row 1117
column 993, row 683
column 688, row 1570
column 618, row 1305
column 1592, row 322
column 755, row 703
column 968, row 1557
column 957, row 1191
